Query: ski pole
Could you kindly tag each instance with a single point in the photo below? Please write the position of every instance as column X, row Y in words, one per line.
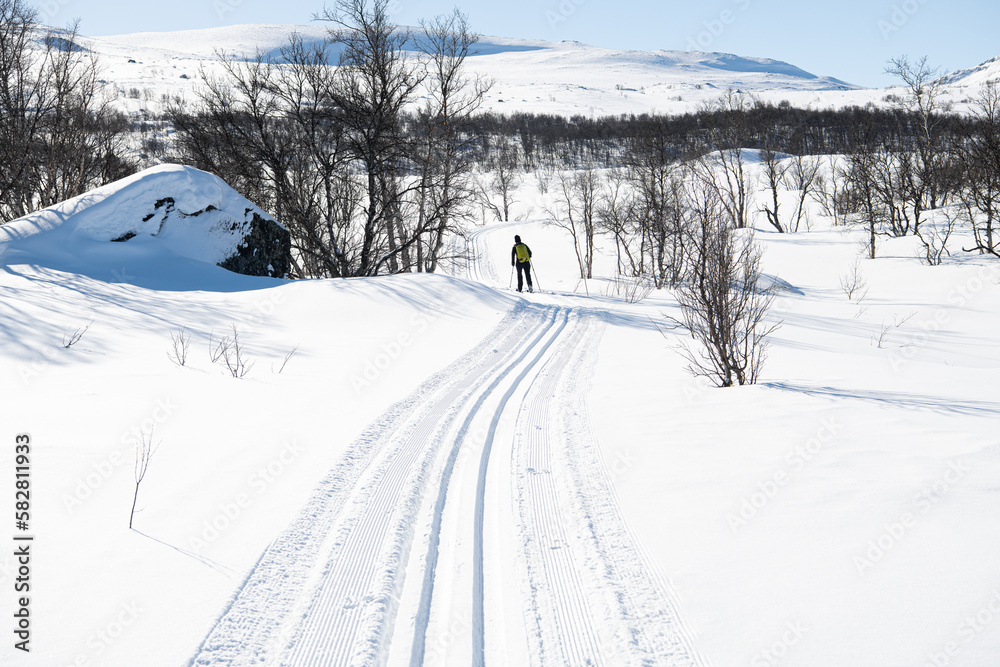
column 535, row 274
column 510, row 283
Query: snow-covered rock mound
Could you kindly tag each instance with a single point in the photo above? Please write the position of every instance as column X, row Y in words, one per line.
column 169, row 216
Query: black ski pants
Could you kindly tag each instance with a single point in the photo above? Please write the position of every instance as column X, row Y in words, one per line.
column 523, row 273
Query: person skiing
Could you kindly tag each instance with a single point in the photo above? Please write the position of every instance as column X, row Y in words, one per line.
column 520, row 256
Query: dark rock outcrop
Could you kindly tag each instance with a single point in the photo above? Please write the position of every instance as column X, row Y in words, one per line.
column 265, row 250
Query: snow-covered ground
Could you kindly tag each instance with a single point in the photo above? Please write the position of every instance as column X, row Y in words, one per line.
column 445, row 472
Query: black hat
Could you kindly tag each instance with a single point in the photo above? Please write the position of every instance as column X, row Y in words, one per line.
column 517, row 239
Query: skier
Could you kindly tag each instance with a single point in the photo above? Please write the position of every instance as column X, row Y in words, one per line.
column 520, row 256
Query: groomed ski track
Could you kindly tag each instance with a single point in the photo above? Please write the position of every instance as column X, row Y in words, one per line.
column 473, row 524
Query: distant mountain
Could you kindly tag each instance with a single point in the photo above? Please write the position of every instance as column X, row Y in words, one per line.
column 536, row 76
column 975, row 76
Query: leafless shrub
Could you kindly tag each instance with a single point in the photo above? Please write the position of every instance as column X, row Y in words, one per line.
column 723, row 307
column 774, row 175
column 825, row 196
column 881, row 336
column 576, row 212
column 287, row 358
column 934, row 238
column 631, row 289
column 180, row 342
column 503, row 183
column 215, row 349
column 69, row 340
column 544, row 178
column 726, row 168
column 854, row 283
column 802, row 177
column 144, row 450
column 229, row 352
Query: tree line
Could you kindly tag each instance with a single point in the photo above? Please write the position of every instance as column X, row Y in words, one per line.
column 548, row 140
column 58, row 136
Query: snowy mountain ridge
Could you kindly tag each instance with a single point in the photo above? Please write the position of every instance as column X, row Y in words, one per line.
column 530, row 75
column 247, row 40
column 975, row 76
column 533, row 76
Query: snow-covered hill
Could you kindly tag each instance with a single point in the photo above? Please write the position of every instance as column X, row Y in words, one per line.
column 145, row 70
column 975, row 77
column 563, row 78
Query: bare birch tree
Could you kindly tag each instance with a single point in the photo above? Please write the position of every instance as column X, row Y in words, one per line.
column 724, row 308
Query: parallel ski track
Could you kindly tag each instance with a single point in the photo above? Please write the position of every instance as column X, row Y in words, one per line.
column 566, row 633
column 325, row 592
column 482, row 269
column 592, row 590
column 478, row 615
column 430, row 571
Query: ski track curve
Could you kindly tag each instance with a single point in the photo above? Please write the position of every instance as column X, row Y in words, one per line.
column 482, row 265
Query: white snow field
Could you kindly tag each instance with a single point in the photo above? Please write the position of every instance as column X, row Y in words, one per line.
column 447, row 472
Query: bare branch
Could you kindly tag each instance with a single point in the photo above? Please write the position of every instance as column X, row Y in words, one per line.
column 180, row 344
column 144, row 450
column 69, row 340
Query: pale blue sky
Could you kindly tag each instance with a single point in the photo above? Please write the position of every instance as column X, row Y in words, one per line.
column 848, row 39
